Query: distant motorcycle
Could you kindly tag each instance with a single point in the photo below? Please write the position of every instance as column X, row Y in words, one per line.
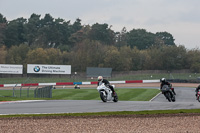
column 198, row 96
column 167, row 91
column 106, row 93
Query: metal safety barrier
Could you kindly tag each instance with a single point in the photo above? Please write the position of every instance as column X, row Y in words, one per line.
column 44, row 92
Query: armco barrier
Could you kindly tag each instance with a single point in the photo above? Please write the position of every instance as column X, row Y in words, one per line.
column 79, row 83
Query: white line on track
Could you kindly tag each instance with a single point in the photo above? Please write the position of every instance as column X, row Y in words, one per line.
column 22, row 101
column 154, row 97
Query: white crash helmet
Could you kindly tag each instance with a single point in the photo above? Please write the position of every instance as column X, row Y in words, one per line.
column 163, row 80
column 100, row 78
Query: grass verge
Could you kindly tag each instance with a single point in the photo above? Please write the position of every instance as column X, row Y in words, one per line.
column 103, row 114
column 124, row 94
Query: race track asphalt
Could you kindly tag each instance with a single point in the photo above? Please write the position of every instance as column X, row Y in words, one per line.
column 185, row 99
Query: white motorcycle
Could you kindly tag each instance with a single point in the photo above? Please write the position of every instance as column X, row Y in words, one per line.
column 106, row 93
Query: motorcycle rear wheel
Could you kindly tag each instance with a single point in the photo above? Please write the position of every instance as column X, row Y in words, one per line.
column 115, row 98
column 173, row 99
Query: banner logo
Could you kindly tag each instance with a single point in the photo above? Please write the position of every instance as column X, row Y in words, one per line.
column 36, row 69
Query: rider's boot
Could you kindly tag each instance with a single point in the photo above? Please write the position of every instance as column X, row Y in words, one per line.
column 173, row 91
column 113, row 94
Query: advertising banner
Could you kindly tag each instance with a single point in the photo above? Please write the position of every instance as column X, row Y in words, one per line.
column 11, row 69
column 48, row 69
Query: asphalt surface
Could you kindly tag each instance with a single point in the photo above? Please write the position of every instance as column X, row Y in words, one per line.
column 184, row 94
column 185, row 99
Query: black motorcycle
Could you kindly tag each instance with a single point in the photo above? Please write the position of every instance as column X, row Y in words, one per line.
column 167, row 91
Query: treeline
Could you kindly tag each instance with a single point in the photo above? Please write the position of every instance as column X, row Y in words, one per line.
column 94, row 54
column 48, row 40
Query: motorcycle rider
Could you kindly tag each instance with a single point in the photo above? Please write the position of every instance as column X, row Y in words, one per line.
column 197, row 90
column 164, row 82
column 106, row 82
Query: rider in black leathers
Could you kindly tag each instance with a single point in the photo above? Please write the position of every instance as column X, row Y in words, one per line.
column 197, row 90
column 106, row 82
column 164, row 82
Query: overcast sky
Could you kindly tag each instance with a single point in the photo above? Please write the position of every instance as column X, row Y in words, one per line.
column 181, row 18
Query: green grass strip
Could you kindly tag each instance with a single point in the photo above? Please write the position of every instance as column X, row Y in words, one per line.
column 117, row 113
column 124, row 94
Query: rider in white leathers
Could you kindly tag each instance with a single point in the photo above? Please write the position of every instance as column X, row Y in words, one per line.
column 106, row 82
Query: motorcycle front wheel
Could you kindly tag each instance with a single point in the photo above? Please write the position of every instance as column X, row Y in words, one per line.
column 103, row 97
column 198, row 98
column 168, row 96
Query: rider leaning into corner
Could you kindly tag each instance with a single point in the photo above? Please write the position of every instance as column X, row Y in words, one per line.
column 197, row 90
column 106, row 82
column 164, row 82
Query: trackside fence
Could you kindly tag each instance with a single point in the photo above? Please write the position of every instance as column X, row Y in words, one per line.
column 23, row 91
column 44, row 92
column 27, row 92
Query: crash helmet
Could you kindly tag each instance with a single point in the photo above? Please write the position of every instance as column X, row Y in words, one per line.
column 163, row 80
column 100, row 78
